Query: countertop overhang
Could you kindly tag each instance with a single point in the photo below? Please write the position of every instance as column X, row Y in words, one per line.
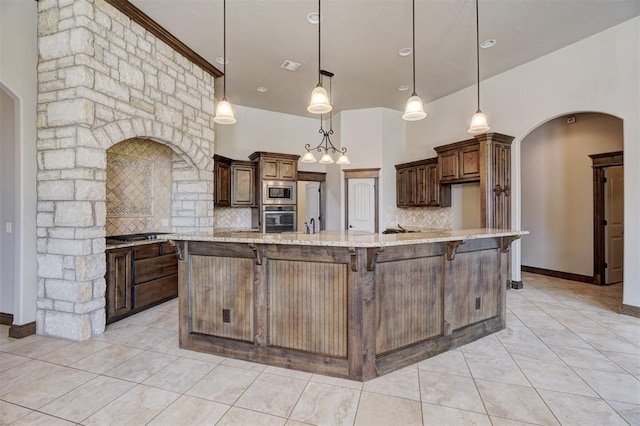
column 347, row 238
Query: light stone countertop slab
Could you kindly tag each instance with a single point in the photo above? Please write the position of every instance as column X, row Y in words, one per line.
column 346, row 238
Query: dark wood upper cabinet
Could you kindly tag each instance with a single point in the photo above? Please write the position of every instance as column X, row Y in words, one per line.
column 243, row 184
column 275, row 166
column 459, row 162
column 235, row 183
column 417, row 184
column 486, row 159
column 222, row 181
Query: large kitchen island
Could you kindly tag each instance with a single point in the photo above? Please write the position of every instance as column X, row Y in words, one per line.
column 346, row 304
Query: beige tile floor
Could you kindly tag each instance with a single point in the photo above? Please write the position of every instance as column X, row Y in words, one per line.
column 567, row 357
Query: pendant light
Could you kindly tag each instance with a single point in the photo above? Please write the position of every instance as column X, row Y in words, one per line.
column 414, row 110
column 479, row 120
column 325, row 144
column 320, row 103
column 224, row 111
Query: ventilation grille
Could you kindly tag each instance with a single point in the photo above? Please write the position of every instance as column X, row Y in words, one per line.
column 290, row 65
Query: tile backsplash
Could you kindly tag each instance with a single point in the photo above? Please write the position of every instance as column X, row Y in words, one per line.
column 231, row 217
column 138, row 194
column 419, row 217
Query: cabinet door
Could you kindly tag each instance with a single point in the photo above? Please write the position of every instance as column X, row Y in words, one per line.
column 269, row 168
column 448, row 163
column 287, row 169
column 433, row 186
column 470, row 162
column 501, row 176
column 422, row 190
column 222, row 185
column 242, row 186
column 411, row 186
column 119, row 265
column 401, row 188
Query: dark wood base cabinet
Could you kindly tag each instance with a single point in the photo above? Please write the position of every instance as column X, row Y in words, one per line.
column 140, row 277
column 353, row 312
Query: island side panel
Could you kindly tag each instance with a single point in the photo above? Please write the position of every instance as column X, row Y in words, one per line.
column 476, row 268
column 308, row 306
column 222, row 297
column 409, row 297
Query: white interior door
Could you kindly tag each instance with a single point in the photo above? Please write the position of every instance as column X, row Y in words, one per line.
column 312, row 203
column 614, row 230
column 362, row 205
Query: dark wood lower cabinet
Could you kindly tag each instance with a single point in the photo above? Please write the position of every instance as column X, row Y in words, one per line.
column 140, row 277
column 119, row 282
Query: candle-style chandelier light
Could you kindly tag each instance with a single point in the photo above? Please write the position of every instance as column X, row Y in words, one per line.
column 325, row 144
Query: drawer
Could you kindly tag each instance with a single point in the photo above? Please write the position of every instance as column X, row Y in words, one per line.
column 155, row 291
column 146, row 251
column 155, row 267
column 168, row 248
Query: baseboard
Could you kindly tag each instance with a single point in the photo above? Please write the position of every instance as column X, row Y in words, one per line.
column 516, row 285
column 632, row 311
column 20, row 331
column 558, row 274
column 6, row 319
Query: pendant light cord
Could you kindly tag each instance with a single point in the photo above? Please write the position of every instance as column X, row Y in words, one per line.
column 478, row 52
column 319, row 43
column 413, row 25
column 224, row 49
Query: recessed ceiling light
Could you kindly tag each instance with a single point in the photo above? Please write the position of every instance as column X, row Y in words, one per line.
column 403, row 88
column 221, row 61
column 290, row 65
column 405, row 51
column 313, row 18
column 261, row 89
column 488, row 43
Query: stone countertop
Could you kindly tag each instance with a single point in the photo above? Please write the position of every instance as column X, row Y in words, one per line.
column 346, row 238
column 163, row 237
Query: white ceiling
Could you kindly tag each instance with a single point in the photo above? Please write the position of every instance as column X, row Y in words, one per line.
column 361, row 40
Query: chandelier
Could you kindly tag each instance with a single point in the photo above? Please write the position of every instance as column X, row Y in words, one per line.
column 325, row 144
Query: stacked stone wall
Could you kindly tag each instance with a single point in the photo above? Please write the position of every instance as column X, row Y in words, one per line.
column 103, row 79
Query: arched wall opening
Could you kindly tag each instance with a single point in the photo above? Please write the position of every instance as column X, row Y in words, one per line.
column 559, row 204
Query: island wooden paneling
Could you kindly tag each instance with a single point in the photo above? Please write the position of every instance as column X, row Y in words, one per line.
column 474, row 283
column 409, row 295
column 353, row 312
column 308, row 306
column 222, row 283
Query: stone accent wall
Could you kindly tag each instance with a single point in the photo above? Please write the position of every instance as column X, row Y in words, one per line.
column 103, row 79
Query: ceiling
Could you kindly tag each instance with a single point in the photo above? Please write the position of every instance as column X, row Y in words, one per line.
column 361, row 40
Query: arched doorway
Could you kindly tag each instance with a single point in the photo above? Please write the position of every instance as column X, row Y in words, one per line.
column 557, row 199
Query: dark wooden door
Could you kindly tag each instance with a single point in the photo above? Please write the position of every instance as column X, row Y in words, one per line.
column 222, row 185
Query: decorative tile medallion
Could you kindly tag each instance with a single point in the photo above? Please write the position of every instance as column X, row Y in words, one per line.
column 129, row 187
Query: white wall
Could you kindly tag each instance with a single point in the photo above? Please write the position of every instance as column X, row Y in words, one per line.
column 465, row 205
column 8, row 191
column 18, row 60
column 600, row 73
column 557, row 190
column 261, row 130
